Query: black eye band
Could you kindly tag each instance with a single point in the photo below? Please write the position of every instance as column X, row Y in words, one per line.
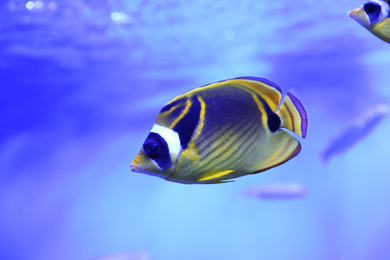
column 373, row 10
column 186, row 126
column 156, row 148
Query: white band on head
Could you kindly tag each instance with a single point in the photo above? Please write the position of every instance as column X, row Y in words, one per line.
column 384, row 9
column 170, row 136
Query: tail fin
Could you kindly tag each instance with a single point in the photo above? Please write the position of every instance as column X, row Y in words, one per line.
column 293, row 115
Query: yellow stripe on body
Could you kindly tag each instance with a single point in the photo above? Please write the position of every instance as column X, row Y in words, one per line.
column 240, row 154
column 262, row 112
column 192, row 152
column 224, row 144
column 227, row 150
column 215, row 175
column 171, row 109
column 200, row 126
column 264, row 119
column 165, row 118
column 270, row 95
column 183, row 113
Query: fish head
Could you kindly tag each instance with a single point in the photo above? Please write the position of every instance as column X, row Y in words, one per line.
column 159, row 153
column 360, row 16
column 370, row 14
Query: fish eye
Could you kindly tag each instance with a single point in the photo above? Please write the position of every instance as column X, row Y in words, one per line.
column 152, row 148
column 372, row 8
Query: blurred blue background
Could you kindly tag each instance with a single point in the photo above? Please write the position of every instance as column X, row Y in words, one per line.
column 82, row 82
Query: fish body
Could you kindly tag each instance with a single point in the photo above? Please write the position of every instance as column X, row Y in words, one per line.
column 222, row 131
column 355, row 132
column 374, row 16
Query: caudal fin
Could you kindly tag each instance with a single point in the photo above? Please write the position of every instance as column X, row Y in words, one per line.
column 293, row 115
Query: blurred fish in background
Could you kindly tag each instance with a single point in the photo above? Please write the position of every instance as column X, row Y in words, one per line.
column 355, row 132
column 277, row 191
column 141, row 255
column 374, row 16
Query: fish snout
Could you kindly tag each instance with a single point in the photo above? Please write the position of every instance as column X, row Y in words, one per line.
column 135, row 165
column 136, row 168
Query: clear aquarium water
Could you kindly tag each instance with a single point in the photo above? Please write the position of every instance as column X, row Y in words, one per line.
column 83, row 80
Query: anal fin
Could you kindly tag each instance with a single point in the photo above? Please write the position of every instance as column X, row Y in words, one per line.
column 285, row 147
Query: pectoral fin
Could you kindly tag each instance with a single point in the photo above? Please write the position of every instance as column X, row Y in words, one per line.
column 191, row 153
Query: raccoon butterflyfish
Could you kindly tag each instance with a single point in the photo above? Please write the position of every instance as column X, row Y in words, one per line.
column 374, row 16
column 223, row 131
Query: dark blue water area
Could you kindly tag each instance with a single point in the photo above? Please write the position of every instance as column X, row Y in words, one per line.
column 81, row 85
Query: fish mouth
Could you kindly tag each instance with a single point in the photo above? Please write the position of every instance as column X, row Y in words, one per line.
column 355, row 14
column 135, row 165
column 136, row 168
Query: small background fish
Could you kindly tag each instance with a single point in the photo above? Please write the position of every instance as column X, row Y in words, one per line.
column 355, row 132
column 374, row 16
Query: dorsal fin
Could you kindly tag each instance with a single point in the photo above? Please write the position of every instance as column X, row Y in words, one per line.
column 267, row 90
column 291, row 112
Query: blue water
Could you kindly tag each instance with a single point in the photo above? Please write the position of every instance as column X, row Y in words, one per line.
column 82, row 82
